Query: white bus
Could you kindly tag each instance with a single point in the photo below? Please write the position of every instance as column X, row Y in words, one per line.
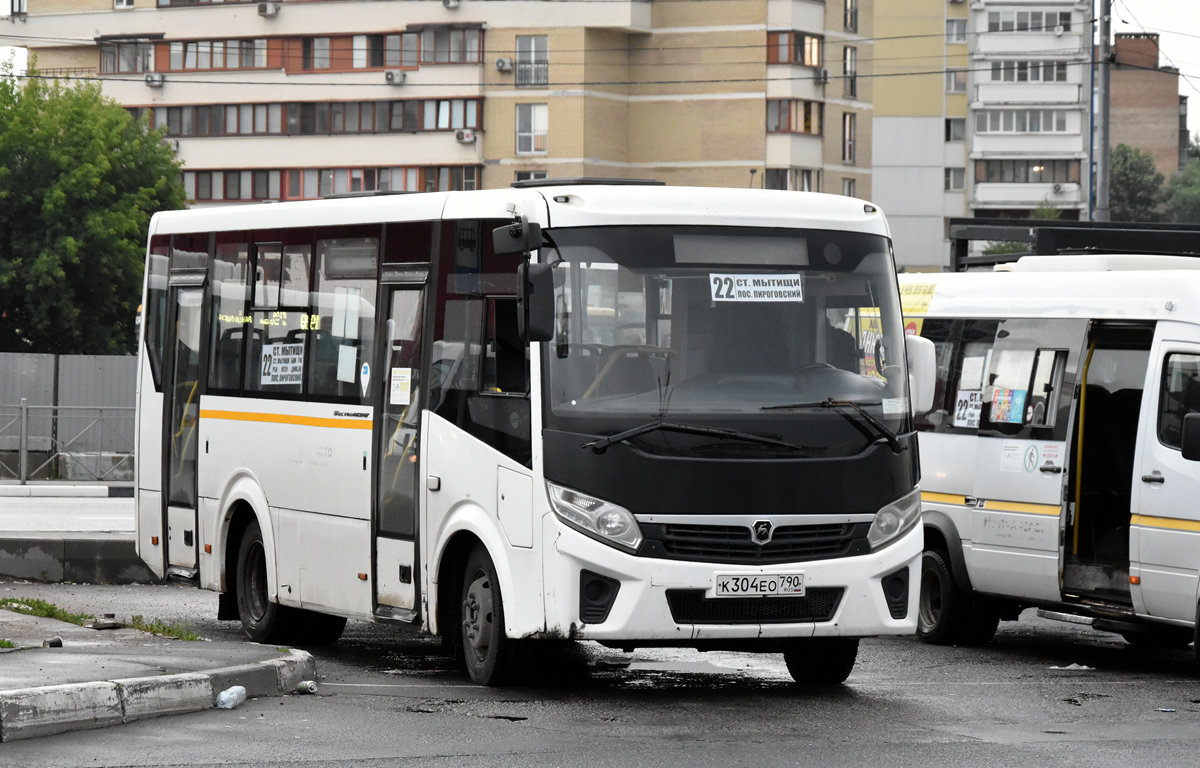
column 1059, row 457
column 686, row 423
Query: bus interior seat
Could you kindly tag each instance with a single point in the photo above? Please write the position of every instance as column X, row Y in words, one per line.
column 841, row 350
column 628, row 373
column 575, row 373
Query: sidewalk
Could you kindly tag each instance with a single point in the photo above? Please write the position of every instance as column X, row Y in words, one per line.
column 76, row 532
column 107, row 677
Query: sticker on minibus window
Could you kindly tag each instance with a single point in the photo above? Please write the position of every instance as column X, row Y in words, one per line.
column 967, row 407
column 769, row 287
column 1008, row 406
column 401, row 390
column 282, row 364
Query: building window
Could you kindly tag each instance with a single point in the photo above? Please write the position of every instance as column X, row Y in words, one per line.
column 794, row 116
column 956, row 31
column 126, row 57
column 408, row 116
column 1029, row 71
column 119, row 4
column 442, row 45
column 955, row 179
column 533, row 61
column 1027, row 171
column 850, row 70
column 375, row 51
column 218, row 54
column 794, row 48
column 533, row 128
column 956, row 81
column 1021, row 121
column 956, row 129
column 1029, row 21
column 850, row 15
column 530, row 175
column 848, row 187
column 795, row 179
column 314, row 53
column 848, row 130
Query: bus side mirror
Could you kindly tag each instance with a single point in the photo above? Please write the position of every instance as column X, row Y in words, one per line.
column 1191, row 437
column 922, row 373
column 521, row 236
column 535, row 301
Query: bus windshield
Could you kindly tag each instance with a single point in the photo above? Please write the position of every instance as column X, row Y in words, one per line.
column 792, row 335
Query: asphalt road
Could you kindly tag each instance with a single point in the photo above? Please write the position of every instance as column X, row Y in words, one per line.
column 388, row 698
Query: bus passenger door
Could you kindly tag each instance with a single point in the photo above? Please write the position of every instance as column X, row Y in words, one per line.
column 181, row 407
column 399, row 460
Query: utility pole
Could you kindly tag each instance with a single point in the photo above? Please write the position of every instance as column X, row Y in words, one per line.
column 1103, row 91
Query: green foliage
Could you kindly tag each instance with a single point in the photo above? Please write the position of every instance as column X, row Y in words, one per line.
column 43, row 610
column 79, row 181
column 1043, row 211
column 1002, row 246
column 7, row 643
column 1183, row 194
column 1193, row 150
column 1135, row 187
column 164, row 628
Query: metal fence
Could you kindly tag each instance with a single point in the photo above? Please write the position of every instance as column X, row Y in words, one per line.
column 66, row 417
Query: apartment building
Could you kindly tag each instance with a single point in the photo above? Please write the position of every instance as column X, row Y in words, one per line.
column 1146, row 109
column 303, row 98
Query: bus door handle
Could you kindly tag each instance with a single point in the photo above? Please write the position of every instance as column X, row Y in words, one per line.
column 1051, row 469
column 433, row 483
column 1154, row 477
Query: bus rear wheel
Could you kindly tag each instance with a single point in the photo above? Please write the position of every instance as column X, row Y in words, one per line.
column 821, row 660
column 492, row 658
column 262, row 620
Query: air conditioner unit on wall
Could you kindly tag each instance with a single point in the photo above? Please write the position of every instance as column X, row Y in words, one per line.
column 268, row 10
column 822, row 76
column 394, row 77
column 464, row 136
column 155, row 79
column 504, row 65
column 1057, row 187
column 957, row 2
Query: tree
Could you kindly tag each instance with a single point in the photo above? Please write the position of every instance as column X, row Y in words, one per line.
column 1183, row 194
column 1046, row 211
column 1135, row 187
column 79, row 181
column 1193, row 150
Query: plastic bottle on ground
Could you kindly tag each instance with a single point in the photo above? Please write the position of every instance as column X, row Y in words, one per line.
column 230, row 698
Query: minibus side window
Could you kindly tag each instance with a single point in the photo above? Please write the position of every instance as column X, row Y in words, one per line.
column 1031, row 366
column 945, row 336
column 1180, row 396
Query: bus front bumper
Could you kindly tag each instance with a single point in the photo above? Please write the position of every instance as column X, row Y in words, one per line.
column 672, row 602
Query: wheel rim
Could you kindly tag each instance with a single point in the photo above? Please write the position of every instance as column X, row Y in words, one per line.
column 478, row 629
column 255, row 579
column 931, row 601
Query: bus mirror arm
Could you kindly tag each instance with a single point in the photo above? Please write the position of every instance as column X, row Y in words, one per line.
column 1191, row 437
column 922, row 373
column 535, row 302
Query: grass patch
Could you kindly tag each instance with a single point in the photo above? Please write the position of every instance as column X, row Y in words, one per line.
column 160, row 627
column 7, row 643
column 43, row 610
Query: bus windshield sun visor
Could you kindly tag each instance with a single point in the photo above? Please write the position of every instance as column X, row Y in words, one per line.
column 600, row 445
column 882, row 429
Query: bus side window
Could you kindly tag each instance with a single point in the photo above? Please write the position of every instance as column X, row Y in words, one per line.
column 1048, row 367
column 945, row 336
column 154, row 313
column 1180, row 396
column 342, row 322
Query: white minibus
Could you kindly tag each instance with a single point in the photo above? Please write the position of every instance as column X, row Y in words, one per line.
column 1059, row 460
column 600, row 410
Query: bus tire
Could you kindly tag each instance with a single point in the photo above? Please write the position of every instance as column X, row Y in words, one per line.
column 1159, row 637
column 946, row 613
column 491, row 657
column 821, row 660
column 262, row 620
column 312, row 628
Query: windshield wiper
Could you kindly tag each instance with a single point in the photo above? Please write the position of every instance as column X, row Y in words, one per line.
column 882, row 429
column 601, row 445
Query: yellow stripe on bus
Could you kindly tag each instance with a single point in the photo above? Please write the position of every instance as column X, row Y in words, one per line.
column 287, row 418
column 1165, row 522
column 943, row 498
column 1015, row 506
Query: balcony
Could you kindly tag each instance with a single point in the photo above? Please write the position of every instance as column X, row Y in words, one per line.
column 1066, row 194
column 533, row 73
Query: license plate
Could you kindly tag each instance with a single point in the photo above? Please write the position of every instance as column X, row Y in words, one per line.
column 758, row 585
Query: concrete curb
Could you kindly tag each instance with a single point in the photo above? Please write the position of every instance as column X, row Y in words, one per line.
column 27, row 713
column 50, row 490
column 82, row 558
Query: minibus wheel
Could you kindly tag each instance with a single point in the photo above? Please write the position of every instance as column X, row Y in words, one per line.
column 491, row 657
column 946, row 613
column 262, row 620
column 821, row 660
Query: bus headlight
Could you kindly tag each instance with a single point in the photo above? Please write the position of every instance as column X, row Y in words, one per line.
column 597, row 518
column 895, row 520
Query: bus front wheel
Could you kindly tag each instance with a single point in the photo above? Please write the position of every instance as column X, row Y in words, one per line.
column 947, row 614
column 262, row 620
column 821, row 660
column 491, row 657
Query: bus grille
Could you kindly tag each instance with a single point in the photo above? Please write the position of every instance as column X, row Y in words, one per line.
column 690, row 606
column 734, row 543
